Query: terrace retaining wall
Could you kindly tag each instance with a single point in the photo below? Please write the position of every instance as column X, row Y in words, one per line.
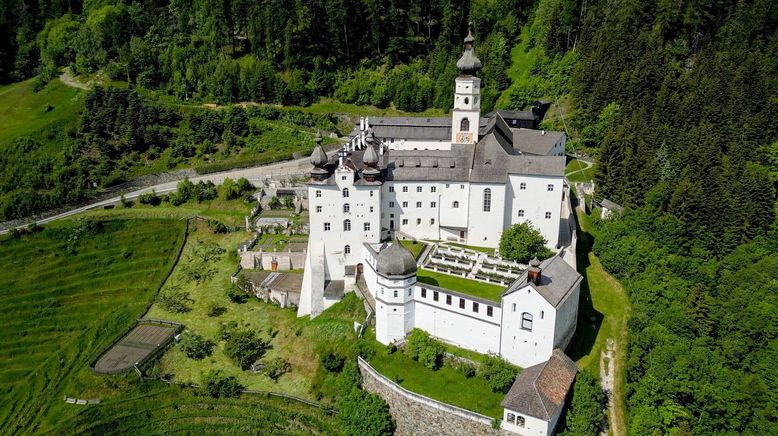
column 416, row 414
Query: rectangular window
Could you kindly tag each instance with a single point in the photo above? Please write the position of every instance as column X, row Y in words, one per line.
column 418, row 221
column 433, row 189
column 318, row 193
column 432, row 221
column 418, row 189
column 541, row 314
column 461, row 303
column 550, row 188
column 391, row 189
column 405, row 189
column 448, row 185
column 405, row 221
column 448, row 300
column 433, row 204
column 548, row 215
column 423, row 293
column 326, row 227
column 489, row 311
column 475, row 307
column 410, row 291
column 395, row 294
column 418, row 204
column 405, row 204
column 366, row 227
column 435, row 295
column 522, row 186
column 318, row 209
column 342, row 177
column 391, row 204
column 514, row 307
column 461, row 186
column 521, row 213
column 487, row 200
column 371, row 193
column 371, row 208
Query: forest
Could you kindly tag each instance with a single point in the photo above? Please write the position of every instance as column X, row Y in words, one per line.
column 676, row 101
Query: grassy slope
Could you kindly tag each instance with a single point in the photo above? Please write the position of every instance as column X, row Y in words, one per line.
column 445, row 384
column 414, row 247
column 60, row 309
column 576, row 171
column 460, row 284
column 332, row 329
column 23, row 112
column 603, row 313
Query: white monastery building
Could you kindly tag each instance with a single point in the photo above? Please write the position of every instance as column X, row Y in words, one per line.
column 462, row 179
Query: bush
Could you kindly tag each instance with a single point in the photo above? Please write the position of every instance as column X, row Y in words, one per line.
column 332, row 362
column 276, row 367
column 498, row 373
column 174, row 300
column 244, row 347
column 522, row 242
column 216, row 310
column 195, row 346
column 237, row 295
column 362, row 413
column 150, row 198
column 217, row 385
column 421, row 347
column 274, row 203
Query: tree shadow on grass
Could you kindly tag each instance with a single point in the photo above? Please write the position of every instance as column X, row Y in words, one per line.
column 589, row 319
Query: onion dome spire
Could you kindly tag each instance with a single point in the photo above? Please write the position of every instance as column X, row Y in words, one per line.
column 370, row 159
column 468, row 64
column 395, row 260
column 318, row 159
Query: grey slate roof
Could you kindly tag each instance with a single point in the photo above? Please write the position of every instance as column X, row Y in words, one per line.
column 511, row 115
column 557, row 279
column 395, row 260
column 432, row 128
column 612, row 206
column 540, row 390
column 538, row 142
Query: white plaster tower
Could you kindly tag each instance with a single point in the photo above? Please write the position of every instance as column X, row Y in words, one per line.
column 396, row 280
column 466, row 114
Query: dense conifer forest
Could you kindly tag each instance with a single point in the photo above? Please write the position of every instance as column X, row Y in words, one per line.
column 677, row 100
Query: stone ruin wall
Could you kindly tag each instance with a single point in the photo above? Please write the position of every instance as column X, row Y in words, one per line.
column 418, row 415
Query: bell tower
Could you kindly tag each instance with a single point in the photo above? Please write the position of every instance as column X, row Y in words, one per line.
column 466, row 115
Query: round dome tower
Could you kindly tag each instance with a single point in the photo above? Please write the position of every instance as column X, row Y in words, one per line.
column 396, row 260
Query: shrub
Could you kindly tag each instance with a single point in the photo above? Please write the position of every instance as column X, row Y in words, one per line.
column 216, row 310
column 276, row 367
column 174, row 300
column 498, row 373
column 245, row 347
column 195, row 346
column 362, row 413
column 332, row 362
column 150, row 198
column 421, row 347
column 217, row 385
column 237, row 295
column 274, row 203
column 125, row 203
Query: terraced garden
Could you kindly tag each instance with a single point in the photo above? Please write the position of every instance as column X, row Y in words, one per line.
column 65, row 293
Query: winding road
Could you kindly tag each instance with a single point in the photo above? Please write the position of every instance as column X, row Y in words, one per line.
column 255, row 175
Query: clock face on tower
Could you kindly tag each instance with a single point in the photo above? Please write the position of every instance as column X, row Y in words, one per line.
column 464, row 137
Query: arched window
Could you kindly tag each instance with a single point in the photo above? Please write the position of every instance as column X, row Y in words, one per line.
column 455, row 205
column 467, row 100
column 346, row 208
column 526, row 321
column 347, row 249
column 346, row 225
column 487, row 200
column 520, row 421
column 464, row 125
column 345, row 192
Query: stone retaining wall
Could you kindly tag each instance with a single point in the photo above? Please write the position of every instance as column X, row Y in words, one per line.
column 416, row 414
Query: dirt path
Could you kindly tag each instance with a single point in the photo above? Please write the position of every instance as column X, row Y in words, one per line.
column 67, row 78
column 607, row 372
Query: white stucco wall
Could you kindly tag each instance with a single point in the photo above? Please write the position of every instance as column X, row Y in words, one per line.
column 535, row 200
column 417, row 144
column 532, row 426
column 484, row 228
column 567, row 318
column 423, row 220
column 523, row 347
column 463, row 327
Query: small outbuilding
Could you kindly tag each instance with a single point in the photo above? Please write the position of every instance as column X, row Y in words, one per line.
column 608, row 208
column 536, row 399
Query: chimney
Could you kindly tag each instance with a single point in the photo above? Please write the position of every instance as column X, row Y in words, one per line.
column 534, row 271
